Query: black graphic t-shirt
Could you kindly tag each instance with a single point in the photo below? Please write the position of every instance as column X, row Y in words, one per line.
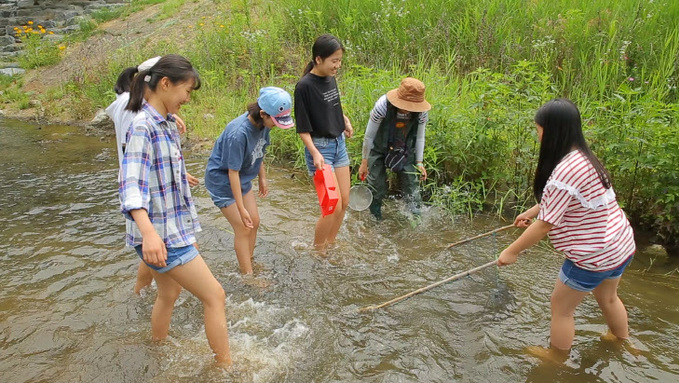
column 318, row 109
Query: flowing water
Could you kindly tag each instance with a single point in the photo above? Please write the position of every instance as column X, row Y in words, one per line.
column 69, row 314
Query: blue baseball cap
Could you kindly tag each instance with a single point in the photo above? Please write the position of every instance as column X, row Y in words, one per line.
column 277, row 103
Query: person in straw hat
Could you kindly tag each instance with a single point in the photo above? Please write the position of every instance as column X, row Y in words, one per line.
column 394, row 139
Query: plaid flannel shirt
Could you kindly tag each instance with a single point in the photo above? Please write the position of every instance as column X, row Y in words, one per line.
column 153, row 178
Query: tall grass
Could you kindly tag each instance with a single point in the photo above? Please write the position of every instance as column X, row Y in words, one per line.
column 488, row 65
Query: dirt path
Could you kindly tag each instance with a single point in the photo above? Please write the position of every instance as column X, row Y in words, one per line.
column 145, row 30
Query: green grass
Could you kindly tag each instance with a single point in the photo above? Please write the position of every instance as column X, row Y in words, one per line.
column 488, row 66
column 107, row 14
column 38, row 52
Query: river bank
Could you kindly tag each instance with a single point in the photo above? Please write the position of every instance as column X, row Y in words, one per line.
column 481, row 119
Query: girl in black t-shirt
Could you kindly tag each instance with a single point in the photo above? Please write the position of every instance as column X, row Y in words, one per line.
column 322, row 126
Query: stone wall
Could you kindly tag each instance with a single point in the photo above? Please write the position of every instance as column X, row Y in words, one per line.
column 57, row 16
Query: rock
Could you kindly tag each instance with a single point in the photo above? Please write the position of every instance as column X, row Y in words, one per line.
column 12, row 71
column 656, row 251
column 208, row 116
column 7, row 40
column 101, row 121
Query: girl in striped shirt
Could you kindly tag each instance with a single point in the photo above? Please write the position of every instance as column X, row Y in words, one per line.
column 578, row 209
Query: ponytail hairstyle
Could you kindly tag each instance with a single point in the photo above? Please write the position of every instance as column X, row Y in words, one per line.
column 125, row 79
column 175, row 67
column 562, row 131
column 254, row 112
column 324, row 46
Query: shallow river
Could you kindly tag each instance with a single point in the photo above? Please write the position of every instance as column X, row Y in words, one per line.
column 68, row 313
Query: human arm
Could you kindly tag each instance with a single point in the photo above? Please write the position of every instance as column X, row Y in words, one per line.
column 263, row 183
column 368, row 142
column 348, row 129
column 533, row 234
column 315, row 154
column 524, row 219
column 234, row 179
column 193, row 181
column 377, row 115
column 152, row 246
column 135, row 194
column 419, row 145
column 181, row 126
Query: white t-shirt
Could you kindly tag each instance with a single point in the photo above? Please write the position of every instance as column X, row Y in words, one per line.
column 122, row 119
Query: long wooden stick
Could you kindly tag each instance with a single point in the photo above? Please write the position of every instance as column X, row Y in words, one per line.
column 410, row 294
column 480, row 236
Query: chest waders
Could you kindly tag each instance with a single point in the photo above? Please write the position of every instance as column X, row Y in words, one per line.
column 377, row 170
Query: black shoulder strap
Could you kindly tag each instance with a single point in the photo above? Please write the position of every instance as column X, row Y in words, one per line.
column 392, row 132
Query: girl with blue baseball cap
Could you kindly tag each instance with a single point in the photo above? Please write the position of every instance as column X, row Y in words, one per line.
column 236, row 160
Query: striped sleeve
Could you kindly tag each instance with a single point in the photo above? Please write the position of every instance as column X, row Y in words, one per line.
column 553, row 205
column 379, row 110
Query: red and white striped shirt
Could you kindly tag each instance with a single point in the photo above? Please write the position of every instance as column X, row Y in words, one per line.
column 589, row 225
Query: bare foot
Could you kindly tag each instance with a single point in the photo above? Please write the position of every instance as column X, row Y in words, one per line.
column 551, row 354
column 250, row 280
column 224, row 363
column 321, row 250
column 626, row 343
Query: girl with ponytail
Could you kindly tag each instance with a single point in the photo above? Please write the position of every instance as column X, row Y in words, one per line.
column 156, row 200
column 122, row 119
column 322, row 126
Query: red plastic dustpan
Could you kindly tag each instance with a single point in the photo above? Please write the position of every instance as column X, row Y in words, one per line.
column 326, row 188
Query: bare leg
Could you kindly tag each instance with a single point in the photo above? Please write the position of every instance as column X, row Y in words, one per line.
column 243, row 242
column 614, row 311
column 251, row 206
column 197, row 278
column 144, row 277
column 564, row 302
column 168, row 292
column 343, row 181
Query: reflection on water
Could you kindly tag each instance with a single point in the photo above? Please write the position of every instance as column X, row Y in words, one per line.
column 68, row 312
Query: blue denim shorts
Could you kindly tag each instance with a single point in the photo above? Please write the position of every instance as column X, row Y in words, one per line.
column 585, row 280
column 333, row 150
column 228, row 200
column 175, row 256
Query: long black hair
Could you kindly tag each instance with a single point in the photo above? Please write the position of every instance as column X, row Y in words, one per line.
column 324, row 46
column 562, row 132
column 175, row 67
column 125, row 80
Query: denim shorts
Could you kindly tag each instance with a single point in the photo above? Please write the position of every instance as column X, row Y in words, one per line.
column 175, row 256
column 333, row 150
column 586, row 280
column 228, row 200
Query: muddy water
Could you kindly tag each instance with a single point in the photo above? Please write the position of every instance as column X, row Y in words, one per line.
column 68, row 312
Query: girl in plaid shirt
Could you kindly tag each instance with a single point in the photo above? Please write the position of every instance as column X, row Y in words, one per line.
column 156, row 200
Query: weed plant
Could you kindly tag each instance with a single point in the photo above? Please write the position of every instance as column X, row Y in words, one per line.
column 488, row 66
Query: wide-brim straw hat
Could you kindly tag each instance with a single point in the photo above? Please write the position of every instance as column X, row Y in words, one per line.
column 409, row 96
